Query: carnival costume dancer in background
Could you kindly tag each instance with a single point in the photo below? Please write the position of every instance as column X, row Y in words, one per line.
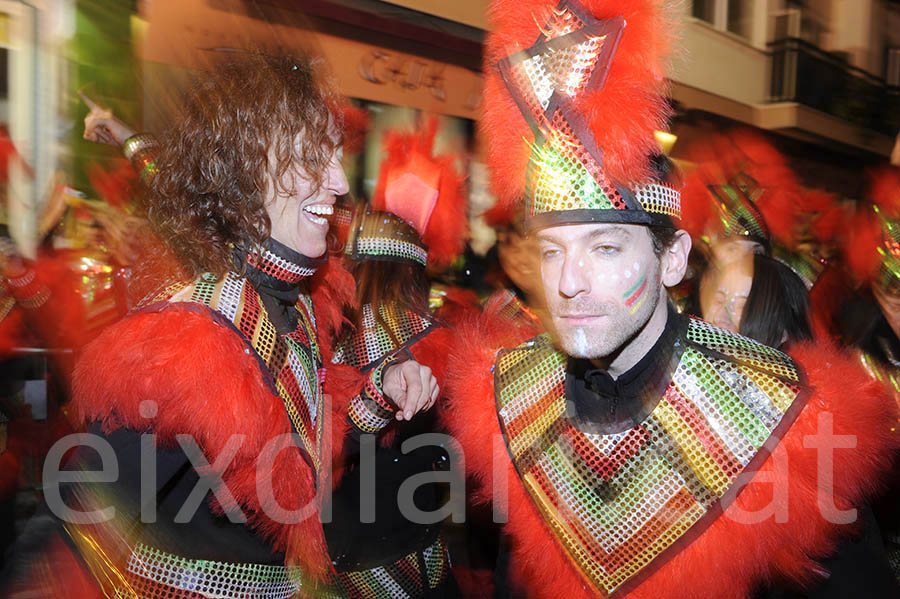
column 744, row 207
column 870, row 321
column 397, row 553
column 224, row 371
column 634, row 451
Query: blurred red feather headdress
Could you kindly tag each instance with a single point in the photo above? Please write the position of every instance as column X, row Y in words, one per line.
column 425, row 190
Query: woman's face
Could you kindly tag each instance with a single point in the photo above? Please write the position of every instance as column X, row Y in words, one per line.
column 300, row 219
column 724, row 289
column 518, row 257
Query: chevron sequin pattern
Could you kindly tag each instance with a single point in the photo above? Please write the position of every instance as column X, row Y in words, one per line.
column 373, row 341
column 619, row 503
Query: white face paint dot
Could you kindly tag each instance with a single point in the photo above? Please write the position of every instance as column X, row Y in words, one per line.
column 615, row 277
column 627, row 274
column 581, row 264
column 637, row 267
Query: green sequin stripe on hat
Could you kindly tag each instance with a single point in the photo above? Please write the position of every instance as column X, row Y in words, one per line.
column 556, row 182
column 888, row 277
column 738, row 212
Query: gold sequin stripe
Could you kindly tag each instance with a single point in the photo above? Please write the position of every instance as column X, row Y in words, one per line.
column 7, row 302
column 402, row 579
column 29, row 292
column 621, row 504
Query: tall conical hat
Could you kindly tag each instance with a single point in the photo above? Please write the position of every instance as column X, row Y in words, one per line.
column 574, row 91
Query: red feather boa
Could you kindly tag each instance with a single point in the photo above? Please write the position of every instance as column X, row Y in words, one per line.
column 729, row 559
column 207, row 385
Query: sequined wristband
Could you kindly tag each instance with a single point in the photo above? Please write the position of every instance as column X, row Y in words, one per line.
column 28, row 290
column 141, row 150
column 370, row 411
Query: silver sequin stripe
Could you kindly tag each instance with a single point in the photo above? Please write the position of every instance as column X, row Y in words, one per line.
column 214, row 579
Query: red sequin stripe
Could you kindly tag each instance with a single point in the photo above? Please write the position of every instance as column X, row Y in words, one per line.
column 27, row 289
column 269, row 267
column 375, row 395
column 606, row 466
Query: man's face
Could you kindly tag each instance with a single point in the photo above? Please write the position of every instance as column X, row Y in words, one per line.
column 299, row 219
column 602, row 284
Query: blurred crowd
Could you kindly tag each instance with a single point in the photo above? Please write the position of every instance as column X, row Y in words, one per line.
column 393, row 283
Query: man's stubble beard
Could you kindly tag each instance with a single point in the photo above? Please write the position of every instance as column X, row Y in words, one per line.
column 586, row 342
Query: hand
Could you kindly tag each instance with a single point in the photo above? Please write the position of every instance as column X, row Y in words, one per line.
column 102, row 127
column 411, row 386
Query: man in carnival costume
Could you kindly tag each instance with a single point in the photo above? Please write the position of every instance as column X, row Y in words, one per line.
column 210, row 394
column 636, row 452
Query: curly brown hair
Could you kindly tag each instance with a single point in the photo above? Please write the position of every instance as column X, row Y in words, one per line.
column 234, row 140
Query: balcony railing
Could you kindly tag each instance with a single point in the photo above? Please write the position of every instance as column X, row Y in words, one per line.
column 803, row 73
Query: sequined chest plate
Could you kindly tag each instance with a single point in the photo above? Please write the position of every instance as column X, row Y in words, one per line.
column 621, row 504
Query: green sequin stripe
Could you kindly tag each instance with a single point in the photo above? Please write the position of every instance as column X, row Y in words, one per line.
column 556, row 183
column 203, row 292
column 518, row 368
column 730, row 405
column 743, row 349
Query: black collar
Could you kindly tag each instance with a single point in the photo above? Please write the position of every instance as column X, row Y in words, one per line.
column 600, row 404
column 277, row 273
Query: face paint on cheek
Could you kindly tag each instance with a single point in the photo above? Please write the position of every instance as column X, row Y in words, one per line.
column 635, row 297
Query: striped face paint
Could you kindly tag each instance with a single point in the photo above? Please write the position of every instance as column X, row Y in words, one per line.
column 636, row 295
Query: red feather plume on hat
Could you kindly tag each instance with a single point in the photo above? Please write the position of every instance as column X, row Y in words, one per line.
column 721, row 157
column 864, row 236
column 425, row 190
column 622, row 115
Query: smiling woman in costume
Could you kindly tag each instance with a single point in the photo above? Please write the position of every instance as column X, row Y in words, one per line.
column 224, row 368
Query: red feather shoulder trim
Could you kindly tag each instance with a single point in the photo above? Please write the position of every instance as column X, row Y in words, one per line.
column 202, row 381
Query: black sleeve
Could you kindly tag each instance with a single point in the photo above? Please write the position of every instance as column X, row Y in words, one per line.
column 859, row 568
